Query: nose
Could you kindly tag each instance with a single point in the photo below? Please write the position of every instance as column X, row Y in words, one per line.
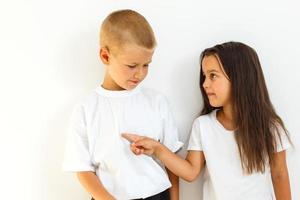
column 139, row 73
column 205, row 83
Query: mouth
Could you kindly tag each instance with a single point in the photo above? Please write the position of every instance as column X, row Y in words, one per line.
column 134, row 82
column 209, row 94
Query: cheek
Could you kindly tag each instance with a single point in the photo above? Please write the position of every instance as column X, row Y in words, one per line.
column 145, row 71
column 222, row 88
column 226, row 91
column 114, row 69
column 125, row 72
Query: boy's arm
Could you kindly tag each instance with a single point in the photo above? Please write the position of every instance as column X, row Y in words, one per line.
column 93, row 185
column 280, row 177
column 174, row 189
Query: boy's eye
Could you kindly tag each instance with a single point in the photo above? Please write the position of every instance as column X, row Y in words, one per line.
column 131, row 66
column 147, row 65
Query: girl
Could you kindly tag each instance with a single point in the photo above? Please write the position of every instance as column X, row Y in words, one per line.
column 238, row 139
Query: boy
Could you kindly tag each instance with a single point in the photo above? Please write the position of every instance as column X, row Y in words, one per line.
column 95, row 150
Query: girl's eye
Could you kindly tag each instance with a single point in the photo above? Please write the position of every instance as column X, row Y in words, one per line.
column 212, row 76
column 147, row 65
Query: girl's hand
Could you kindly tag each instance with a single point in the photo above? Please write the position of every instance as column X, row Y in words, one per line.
column 141, row 144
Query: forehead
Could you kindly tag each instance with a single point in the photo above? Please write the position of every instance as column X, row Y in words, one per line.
column 135, row 53
column 211, row 62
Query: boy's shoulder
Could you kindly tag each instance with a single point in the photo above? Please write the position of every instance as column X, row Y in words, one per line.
column 90, row 99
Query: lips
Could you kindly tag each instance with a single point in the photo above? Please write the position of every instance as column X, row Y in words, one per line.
column 210, row 94
column 134, row 81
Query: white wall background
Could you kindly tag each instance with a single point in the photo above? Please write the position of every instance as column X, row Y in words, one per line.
column 48, row 62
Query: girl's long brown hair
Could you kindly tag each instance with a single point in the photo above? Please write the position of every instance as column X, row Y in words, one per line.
column 257, row 123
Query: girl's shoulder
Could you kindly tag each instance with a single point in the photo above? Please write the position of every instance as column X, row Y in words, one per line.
column 206, row 118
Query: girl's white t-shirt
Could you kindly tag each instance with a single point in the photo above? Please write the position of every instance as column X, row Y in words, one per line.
column 223, row 176
column 94, row 142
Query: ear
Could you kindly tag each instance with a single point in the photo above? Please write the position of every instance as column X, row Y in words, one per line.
column 104, row 55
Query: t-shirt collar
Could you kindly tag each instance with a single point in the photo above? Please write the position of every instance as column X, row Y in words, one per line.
column 117, row 93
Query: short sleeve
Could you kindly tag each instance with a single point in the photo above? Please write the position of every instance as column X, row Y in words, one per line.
column 170, row 136
column 77, row 156
column 282, row 143
column 195, row 142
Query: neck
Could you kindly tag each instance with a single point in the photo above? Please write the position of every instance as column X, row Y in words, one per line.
column 110, row 84
column 226, row 117
column 227, row 112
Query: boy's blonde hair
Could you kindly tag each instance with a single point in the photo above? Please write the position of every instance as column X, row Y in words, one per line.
column 126, row 27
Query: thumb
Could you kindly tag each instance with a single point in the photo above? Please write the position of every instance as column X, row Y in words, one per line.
column 142, row 143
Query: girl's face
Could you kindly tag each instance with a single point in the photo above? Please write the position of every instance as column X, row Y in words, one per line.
column 216, row 84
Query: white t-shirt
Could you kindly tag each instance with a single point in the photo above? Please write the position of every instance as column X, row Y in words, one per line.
column 223, row 177
column 95, row 144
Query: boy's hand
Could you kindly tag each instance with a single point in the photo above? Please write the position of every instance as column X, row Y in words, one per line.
column 141, row 144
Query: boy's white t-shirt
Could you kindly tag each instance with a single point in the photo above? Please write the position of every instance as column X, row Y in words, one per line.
column 95, row 144
column 223, row 176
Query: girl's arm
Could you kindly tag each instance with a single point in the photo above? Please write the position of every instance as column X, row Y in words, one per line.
column 280, row 177
column 188, row 169
column 92, row 184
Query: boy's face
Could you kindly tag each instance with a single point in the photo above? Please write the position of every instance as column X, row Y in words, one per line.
column 126, row 68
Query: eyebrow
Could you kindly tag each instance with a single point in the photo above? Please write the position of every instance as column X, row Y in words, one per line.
column 210, row 71
column 134, row 63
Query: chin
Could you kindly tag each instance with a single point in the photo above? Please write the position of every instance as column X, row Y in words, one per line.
column 129, row 87
column 215, row 104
